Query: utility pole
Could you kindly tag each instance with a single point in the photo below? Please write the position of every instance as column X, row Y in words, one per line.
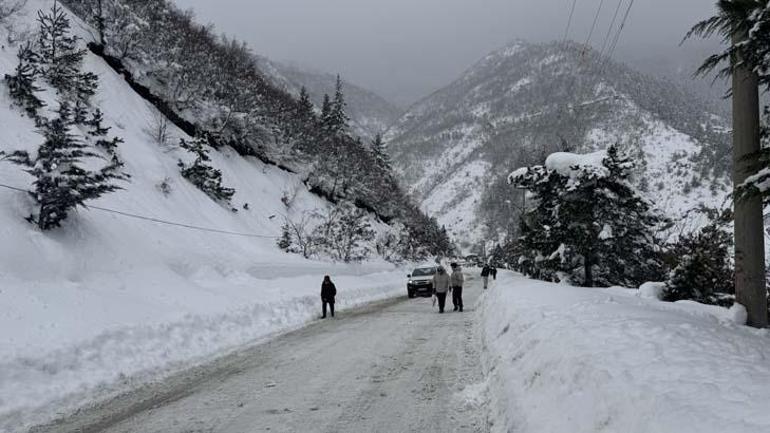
column 750, row 285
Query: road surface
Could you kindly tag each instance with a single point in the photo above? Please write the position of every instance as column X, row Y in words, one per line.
column 392, row 367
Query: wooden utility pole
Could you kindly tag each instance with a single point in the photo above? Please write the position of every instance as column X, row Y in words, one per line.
column 750, row 287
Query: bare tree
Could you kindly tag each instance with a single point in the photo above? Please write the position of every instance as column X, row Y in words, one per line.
column 158, row 128
column 303, row 239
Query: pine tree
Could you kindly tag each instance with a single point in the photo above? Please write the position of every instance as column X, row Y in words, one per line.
column 590, row 227
column 205, row 177
column 381, row 153
column 61, row 183
column 704, row 271
column 339, row 120
column 60, row 58
column 305, row 108
column 22, row 86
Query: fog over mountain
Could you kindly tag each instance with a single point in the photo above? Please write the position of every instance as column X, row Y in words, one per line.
column 405, row 49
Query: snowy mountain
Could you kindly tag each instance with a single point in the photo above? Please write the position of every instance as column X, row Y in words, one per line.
column 526, row 101
column 370, row 113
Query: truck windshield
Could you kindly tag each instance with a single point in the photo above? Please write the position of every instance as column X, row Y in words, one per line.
column 421, row 272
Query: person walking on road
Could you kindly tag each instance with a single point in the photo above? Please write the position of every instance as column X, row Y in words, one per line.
column 328, row 293
column 485, row 271
column 456, row 281
column 441, row 282
column 493, row 271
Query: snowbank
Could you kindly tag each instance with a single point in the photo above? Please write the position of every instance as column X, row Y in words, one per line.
column 65, row 346
column 566, row 359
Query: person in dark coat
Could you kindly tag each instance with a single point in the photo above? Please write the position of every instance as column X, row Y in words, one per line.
column 485, row 271
column 493, row 271
column 328, row 292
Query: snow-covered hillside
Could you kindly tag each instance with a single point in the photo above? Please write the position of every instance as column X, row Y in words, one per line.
column 370, row 114
column 567, row 359
column 112, row 297
column 525, row 101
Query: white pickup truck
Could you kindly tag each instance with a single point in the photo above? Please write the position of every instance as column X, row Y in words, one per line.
column 421, row 281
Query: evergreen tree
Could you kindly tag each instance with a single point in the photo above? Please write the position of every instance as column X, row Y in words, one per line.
column 704, row 271
column 205, row 177
column 305, row 108
column 61, row 183
column 339, row 120
column 22, row 86
column 60, row 58
column 589, row 226
column 381, row 153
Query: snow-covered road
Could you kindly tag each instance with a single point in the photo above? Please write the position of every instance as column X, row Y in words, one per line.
column 390, row 367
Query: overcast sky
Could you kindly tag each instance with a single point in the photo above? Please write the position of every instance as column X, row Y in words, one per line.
column 404, row 49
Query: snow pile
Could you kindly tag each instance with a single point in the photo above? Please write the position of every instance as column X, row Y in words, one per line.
column 570, row 164
column 567, row 359
column 652, row 290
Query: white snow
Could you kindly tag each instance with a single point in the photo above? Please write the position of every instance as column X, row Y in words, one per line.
column 652, row 290
column 569, row 164
column 108, row 301
column 567, row 359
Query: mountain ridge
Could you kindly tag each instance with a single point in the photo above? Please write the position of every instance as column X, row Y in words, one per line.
column 523, row 101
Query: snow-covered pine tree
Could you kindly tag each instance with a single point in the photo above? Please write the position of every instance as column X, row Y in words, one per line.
column 338, row 117
column 305, row 108
column 703, row 269
column 589, row 226
column 22, row 86
column 381, row 153
column 61, row 183
column 200, row 173
column 60, row 59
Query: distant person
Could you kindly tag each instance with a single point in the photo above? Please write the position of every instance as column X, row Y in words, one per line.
column 485, row 271
column 493, row 271
column 328, row 293
column 441, row 282
column 456, row 281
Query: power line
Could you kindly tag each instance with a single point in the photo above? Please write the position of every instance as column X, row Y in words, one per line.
column 617, row 36
column 612, row 26
column 593, row 26
column 569, row 21
column 161, row 221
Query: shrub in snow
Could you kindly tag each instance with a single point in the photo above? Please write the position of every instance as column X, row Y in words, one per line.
column 61, row 181
column 201, row 174
column 703, row 271
column 587, row 222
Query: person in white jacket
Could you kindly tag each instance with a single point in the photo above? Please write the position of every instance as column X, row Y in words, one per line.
column 441, row 287
column 456, row 280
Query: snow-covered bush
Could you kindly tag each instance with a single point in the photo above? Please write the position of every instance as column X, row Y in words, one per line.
column 704, row 270
column 207, row 178
column 587, row 223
